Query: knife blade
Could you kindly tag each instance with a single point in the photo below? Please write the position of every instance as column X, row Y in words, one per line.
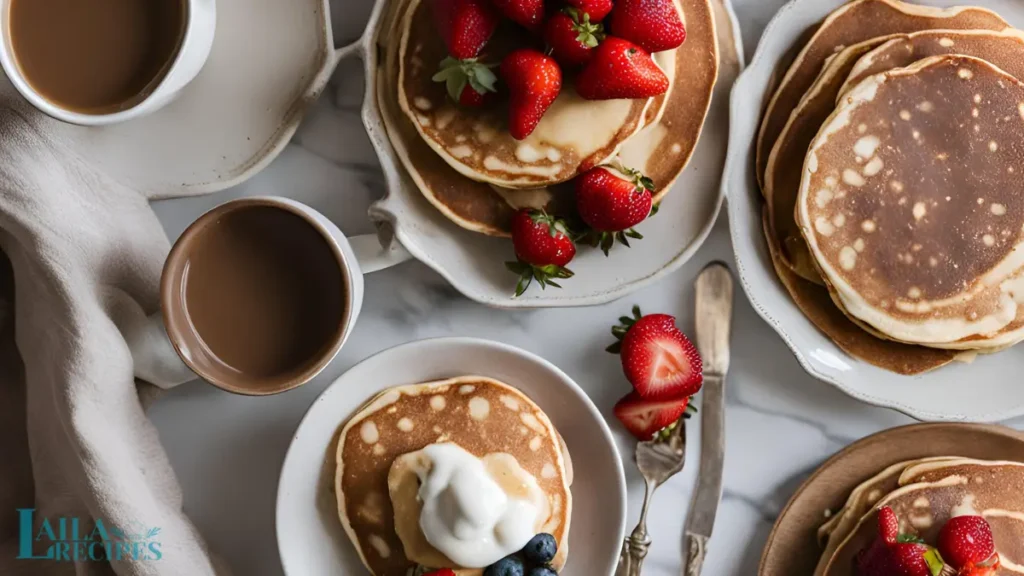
column 714, row 289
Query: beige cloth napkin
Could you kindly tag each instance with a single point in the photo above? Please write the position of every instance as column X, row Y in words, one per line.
column 85, row 256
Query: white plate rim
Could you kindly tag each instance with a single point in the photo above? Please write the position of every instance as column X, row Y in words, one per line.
column 525, row 355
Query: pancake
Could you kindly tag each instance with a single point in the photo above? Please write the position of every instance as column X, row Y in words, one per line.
column 816, row 303
column 851, row 24
column 377, row 502
column 660, row 150
column 928, row 255
column 573, row 136
column 1004, row 49
column 782, row 180
column 994, row 490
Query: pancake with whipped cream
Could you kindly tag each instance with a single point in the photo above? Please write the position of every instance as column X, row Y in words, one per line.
column 661, row 150
column 418, row 460
column 912, row 209
column 853, row 23
column 847, row 68
column 573, row 136
column 932, row 493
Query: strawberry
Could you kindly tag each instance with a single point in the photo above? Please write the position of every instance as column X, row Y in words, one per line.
column 572, row 37
column 888, row 525
column 644, row 417
column 441, row 572
column 620, row 69
column 465, row 25
column 534, row 81
column 895, row 554
column 966, row 541
column 654, row 25
column 468, row 81
column 527, row 13
column 611, row 201
column 543, row 248
column 596, row 9
column 658, row 360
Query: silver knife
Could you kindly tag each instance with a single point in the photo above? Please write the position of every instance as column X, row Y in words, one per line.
column 714, row 317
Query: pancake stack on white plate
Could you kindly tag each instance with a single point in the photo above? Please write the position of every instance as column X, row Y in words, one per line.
column 473, row 171
column 890, row 158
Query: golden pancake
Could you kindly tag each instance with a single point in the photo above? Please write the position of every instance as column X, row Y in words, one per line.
column 911, row 209
column 573, row 136
column 375, row 481
column 851, row 24
column 932, row 493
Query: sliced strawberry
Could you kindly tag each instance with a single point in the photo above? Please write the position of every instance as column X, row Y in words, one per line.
column 967, row 541
column 644, row 417
column 658, row 360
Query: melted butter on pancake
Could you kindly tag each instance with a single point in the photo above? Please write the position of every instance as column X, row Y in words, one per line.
column 963, row 300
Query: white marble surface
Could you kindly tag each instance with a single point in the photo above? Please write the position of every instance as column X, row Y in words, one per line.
column 227, row 450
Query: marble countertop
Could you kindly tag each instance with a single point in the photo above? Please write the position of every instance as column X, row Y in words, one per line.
column 227, row 450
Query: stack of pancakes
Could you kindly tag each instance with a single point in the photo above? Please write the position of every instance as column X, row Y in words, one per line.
column 925, row 494
column 380, row 448
column 890, row 158
column 469, row 167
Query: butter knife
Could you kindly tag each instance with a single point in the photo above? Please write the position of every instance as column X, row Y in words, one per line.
column 714, row 317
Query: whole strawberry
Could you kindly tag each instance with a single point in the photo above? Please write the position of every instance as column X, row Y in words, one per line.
column 441, row 572
column 966, row 542
column 620, row 69
column 534, row 80
column 468, row 82
column 572, row 37
column 611, row 201
column 645, row 417
column 543, row 248
column 527, row 13
column 894, row 554
column 657, row 358
column 465, row 25
column 654, row 25
column 596, row 9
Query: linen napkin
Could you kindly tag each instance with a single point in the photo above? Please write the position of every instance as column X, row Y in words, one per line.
column 83, row 262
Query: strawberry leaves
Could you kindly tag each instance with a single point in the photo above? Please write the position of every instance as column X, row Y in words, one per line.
column 456, row 74
column 542, row 274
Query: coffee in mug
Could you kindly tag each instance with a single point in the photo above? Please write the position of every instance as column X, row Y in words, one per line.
column 95, row 56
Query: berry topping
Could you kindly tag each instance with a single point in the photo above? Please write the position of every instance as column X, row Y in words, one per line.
column 620, row 69
column 596, row 9
column 527, row 13
column 542, row 571
column 572, row 37
column 611, row 201
column 966, row 542
column 657, row 358
column 645, row 417
column 541, row 549
column 534, row 81
column 543, row 248
column 465, row 25
column 654, row 25
column 508, row 566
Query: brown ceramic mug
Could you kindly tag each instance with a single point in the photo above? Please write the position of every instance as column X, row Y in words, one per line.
column 258, row 295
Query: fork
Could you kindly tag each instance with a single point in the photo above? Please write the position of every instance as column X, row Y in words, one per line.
column 658, row 460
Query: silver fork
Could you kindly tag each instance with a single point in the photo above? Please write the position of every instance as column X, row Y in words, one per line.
column 658, row 460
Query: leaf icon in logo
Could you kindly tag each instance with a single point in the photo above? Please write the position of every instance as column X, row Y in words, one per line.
column 152, row 533
column 117, row 533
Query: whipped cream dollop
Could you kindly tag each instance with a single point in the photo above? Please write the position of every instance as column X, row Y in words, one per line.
column 466, row 514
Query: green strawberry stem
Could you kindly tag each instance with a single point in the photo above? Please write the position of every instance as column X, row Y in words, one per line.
column 455, row 74
column 619, row 331
column 542, row 274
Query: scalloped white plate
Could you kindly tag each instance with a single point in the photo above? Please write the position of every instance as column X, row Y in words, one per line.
column 310, row 537
column 988, row 390
column 474, row 264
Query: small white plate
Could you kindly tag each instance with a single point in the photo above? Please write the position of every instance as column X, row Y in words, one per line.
column 270, row 60
column 988, row 390
column 309, row 534
column 474, row 263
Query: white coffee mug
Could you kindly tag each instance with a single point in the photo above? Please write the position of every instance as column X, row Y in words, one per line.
column 164, row 347
column 194, row 49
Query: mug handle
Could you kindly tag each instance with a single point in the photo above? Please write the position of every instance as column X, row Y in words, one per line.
column 155, row 359
column 373, row 257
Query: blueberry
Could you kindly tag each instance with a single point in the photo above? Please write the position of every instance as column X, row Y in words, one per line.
column 509, row 566
column 540, row 550
column 542, row 571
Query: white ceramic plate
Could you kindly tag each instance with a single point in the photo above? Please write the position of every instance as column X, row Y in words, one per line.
column 474, row 263
column 988, row 390
column 309, row 534
column 270, row 59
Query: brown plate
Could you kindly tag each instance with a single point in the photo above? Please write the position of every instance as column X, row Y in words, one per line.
column 793, row 549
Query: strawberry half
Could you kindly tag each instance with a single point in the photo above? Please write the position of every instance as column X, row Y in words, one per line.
column 658, row 360
column 468, row 82
column 967, row 542
column 543, row 248
column 645, row 417
column 465, row 25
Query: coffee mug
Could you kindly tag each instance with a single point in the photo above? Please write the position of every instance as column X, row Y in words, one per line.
column 192, row 51
column 175, row 345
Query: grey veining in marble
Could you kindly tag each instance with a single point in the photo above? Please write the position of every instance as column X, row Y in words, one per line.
column 227, row 450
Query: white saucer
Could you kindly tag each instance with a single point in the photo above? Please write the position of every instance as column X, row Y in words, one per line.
column 270, row 60
column 988, row 390
column 309, row 534
column 474, row 263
